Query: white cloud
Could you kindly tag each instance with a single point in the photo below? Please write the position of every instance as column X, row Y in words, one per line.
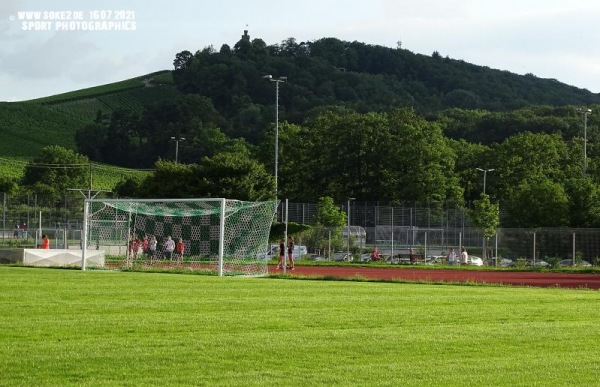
column 44, row 58
column 549, row 38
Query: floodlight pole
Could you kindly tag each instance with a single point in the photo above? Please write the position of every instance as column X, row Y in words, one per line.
column 585, row 113
column 277, row 82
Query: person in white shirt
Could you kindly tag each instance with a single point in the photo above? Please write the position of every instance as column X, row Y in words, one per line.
column 169, row 247
column 451, row 257
column 464, row 256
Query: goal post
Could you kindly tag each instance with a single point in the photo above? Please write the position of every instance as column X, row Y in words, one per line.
column 229, row 237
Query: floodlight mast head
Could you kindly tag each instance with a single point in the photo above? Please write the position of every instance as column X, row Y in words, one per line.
column 177, row 139
column 485, row 171
column 270, row 78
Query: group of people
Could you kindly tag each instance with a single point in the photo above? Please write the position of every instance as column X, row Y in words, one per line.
column 20, row 230
column 454, row 259
column 290, row 252
column 148, row 246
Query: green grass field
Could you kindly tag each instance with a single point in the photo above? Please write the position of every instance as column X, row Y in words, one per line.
column 67, row 327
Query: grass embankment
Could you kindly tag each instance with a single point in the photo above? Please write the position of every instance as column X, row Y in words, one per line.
column 65, row 327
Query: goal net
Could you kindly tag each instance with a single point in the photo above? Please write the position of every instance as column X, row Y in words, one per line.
column 229, row 237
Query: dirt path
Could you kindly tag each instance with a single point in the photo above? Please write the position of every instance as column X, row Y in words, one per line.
column 565, row 280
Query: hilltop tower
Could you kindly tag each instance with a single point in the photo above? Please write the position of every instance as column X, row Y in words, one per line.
column 246, row 37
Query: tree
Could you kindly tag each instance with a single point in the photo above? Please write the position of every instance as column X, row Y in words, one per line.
column 128, row 187
column 169, row 180
column 123, row 144
column 424, row 160
column 183, row 60
column 55, row 170
column 90, row 140
column 234, row 175
column 584, row 202
column 537, row 203
column 327, row 233
column 528, row 157
column 330, row 215
column 486, row 216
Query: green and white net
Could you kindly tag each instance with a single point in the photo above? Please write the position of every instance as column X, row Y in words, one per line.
column 229, row 237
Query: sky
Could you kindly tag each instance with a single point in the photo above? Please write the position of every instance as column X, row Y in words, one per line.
column 49, row 47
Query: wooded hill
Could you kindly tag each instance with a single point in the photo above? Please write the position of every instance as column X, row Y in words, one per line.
column 324, row 73
column 356, row 120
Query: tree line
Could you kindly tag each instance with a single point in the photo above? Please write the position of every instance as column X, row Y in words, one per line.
column 399, row 156
column 367, row 122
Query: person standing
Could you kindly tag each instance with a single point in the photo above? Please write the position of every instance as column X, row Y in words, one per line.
column 464, row 256
column 179, row 250
column 152, row 247
column 169, row 247
column 290, row 251
column 375, row 254
column 451, row 257
column 281, row 254
column 145, row 246
column 45, row 242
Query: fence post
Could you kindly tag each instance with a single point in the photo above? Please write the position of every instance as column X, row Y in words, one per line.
column 392, row 253
column 425, row 251
column 496, row 255
column 574, row 248
column 534, row 235
column 3, row 216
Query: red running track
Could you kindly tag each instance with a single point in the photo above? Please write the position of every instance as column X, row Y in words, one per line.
column 563, row 280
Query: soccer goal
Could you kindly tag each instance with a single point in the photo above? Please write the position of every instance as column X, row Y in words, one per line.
column 229, row 237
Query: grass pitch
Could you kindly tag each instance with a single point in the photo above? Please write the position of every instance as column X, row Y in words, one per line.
column 67, row 327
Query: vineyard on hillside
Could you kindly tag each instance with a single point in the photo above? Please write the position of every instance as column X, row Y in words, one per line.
column 26, row 128
column 132, row 95
column 134, row 100
column 161, row 77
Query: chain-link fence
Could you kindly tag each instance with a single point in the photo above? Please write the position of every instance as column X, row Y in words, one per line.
column 403, row 231
column 394, row 229
column 26, row 217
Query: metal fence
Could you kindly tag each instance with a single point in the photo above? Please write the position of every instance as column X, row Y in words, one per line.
column 392, row 228
column 26, row 217
column 432, row 232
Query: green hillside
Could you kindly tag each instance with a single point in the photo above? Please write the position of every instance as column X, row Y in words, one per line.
column 132, row 94
column 26, row 127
